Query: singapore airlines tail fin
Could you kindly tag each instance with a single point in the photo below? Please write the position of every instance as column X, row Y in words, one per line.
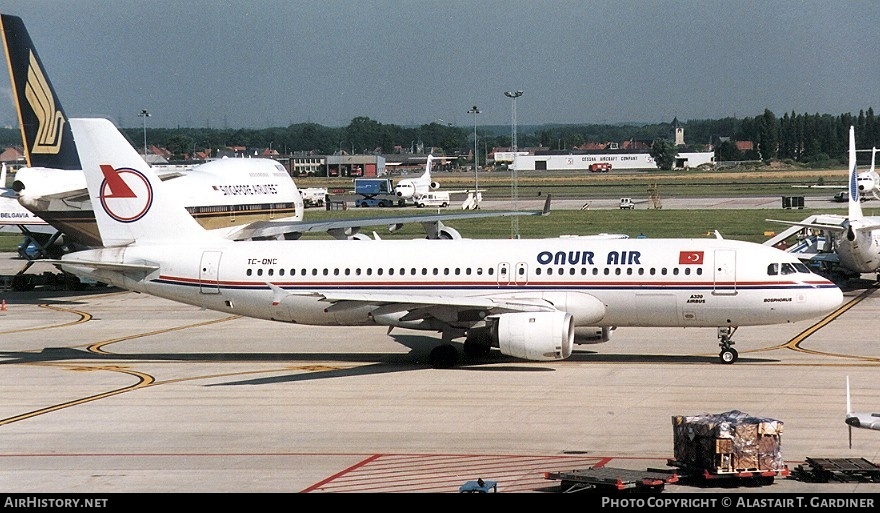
column 45, row 128
column 127, row 196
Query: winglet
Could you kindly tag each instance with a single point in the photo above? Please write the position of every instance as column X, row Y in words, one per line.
column 848, row 404
column 546, row 209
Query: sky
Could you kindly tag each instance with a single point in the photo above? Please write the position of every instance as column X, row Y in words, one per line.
column 271, row 63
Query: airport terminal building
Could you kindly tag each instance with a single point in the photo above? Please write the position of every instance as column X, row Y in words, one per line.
column 582, row 162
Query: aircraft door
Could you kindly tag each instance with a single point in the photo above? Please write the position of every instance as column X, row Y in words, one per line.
column 503, row 274
column 724, row 272
column 209, row 272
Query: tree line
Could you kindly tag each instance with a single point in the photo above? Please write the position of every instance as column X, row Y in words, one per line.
column 804, row 138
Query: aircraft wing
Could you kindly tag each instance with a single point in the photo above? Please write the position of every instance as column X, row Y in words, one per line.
column 410, row 301
column 342, row 229
column 826, row 222
column 455, row 311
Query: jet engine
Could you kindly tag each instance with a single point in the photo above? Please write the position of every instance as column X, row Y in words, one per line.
column 538, row 336
column 435, row 186
column 592, row 334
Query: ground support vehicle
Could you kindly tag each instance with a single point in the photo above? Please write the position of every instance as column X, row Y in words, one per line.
column 375, row 192
column 612, row 479
column 823, row 470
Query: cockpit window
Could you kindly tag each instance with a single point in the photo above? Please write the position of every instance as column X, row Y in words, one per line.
column 788, row 268
column 773, row 269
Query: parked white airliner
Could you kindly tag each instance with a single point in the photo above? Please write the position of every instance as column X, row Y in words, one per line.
column 854, row 239
column 530, row 298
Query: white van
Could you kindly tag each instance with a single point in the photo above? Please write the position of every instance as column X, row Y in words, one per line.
column 433, row 199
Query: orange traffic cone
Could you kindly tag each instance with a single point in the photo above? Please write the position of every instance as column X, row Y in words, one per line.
column 3, row 306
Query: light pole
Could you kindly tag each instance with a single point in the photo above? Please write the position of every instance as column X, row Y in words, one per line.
column 514, row 193
column 474, row 110
column 144, row 114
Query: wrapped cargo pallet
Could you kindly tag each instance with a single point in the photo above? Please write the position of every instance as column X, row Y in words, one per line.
column 728, row 442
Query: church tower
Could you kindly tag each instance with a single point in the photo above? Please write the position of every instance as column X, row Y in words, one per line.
column 676, row 132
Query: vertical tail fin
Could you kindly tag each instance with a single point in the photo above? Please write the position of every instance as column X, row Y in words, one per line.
column 45, row 128
column 855, row 206
column 427, row 174
column 130, row 202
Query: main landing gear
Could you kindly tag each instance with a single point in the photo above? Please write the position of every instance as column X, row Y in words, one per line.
column 728, row 354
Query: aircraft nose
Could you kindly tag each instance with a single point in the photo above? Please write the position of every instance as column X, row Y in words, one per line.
column 853, row 421
column 832, row 298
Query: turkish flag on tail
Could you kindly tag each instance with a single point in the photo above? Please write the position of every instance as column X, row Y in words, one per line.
column 690, row 257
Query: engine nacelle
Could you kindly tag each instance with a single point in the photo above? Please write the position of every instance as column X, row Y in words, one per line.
column 538, row 336
column 448, row 233
column 435, row 186
column 592, row 334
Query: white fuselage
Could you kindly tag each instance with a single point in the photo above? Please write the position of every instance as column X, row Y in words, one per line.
column 862, row 253
column 617, row 282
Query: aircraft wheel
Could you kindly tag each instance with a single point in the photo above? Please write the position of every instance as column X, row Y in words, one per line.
column 728, row 355
column 444, row 356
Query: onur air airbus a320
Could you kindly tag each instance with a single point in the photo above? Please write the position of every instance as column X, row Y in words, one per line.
column 529, row 298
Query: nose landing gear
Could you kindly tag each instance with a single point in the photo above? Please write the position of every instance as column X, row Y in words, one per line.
column 728, row 354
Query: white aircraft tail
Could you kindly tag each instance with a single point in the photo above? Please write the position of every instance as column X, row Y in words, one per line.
column 128, row 198
column 427, row 174
column 855, row 206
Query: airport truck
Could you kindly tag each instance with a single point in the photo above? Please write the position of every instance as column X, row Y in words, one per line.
column 375, row 192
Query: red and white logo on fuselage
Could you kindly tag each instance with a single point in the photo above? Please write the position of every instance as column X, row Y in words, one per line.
column 125, row 194
column 690, row 257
